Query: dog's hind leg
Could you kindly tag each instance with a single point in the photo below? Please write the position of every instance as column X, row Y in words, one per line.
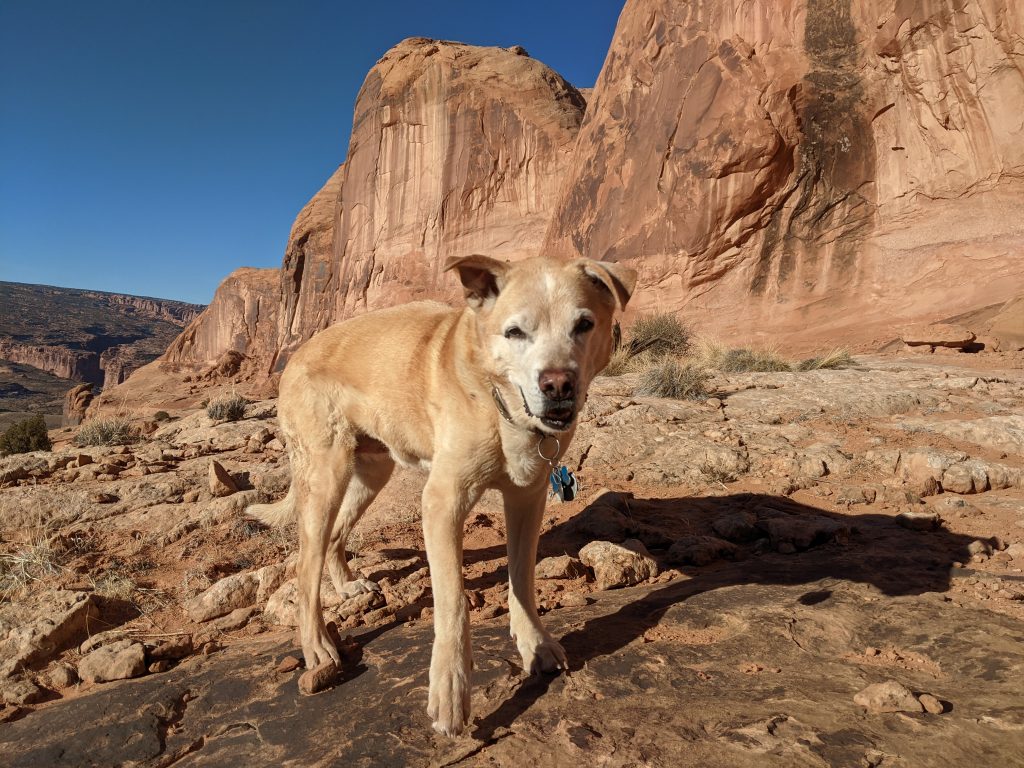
column 524, row 510
column 320, row 483
column 370, row 474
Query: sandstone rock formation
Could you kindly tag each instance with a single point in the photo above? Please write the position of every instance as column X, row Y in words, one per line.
column 455, row 149
column 806, row 167
column 76, row 402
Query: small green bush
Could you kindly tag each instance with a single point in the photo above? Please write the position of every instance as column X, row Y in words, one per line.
column 115, row 430
column 668, row 378
column 227, row 409
column 28, row 435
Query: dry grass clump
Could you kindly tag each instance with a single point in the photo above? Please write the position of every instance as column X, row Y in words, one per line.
column 32, row 562
column 115, row 430
column 670, row 378
column 230, row 408
column 831, row 360
column 658, row 334
column 651, row 338
column 739, row 359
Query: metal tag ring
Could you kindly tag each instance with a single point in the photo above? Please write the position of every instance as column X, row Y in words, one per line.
column 540, row 451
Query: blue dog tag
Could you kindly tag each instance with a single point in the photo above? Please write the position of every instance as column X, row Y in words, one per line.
column 564, row 484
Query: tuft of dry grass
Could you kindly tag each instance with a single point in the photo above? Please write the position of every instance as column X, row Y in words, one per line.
column 33, row 562
column 659, row 334
column 712, row 354
column 114, row 430
column 668, row 377
column 831, row 360
column 231, row 408
column 651, row 338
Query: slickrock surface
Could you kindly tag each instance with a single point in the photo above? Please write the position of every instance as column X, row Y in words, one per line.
column 793, row 573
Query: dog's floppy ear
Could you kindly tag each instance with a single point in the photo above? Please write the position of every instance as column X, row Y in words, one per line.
column 482, row 277
column 617, row 279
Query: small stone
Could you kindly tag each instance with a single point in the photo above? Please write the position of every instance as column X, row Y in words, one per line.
column 491, row 611
column 159, row 666
column 736, row 526
column 221, row 482
column 889, row 696
column 316, row 680
column 61, row 676
column 288, row 664
column 117, row 661
column 237, row 619
column 82, row 459
column 919, row 521
column 713, row 402
column 176, row 648
column 700, row 550
column 102, row 498
column 191, row 497
column 979, row 548
column 786, row 548
column 21, row 692
column 572, row 600
column 562, row 567
column 931, row 704
column 235, row 591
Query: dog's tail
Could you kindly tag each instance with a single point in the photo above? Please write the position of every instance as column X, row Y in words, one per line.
column 278, row 513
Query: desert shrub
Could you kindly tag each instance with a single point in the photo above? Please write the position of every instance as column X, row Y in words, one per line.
column 651, row 338
column 161, row 416
column 660, row 334
column 115, row 430
column 711, row 354
column 227, row 408
column 669, row 378
column 837, row 358
column 28, row 435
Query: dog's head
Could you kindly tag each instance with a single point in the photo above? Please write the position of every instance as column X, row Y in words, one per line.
column 546, row 328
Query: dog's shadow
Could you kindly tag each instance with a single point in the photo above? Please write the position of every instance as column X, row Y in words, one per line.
column 895, row 560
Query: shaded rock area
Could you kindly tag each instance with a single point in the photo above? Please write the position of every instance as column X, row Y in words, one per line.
column 751, row 665
column 803, row 537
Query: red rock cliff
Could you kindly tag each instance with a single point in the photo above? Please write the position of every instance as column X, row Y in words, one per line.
column 800, row 167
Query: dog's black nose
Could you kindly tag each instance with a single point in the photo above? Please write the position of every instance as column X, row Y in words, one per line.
column 557, row 383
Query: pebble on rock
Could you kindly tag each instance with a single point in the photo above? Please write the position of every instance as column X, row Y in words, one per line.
column 318, row 679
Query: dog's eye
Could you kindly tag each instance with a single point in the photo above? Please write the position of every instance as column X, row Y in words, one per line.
column 515, row 332
column 583, row 325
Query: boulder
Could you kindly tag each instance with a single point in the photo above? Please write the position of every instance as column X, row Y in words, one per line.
column 118, row 661
column 618, row 565
column 63, row 622
column 936, row 335
column 890, row 696
column 562, row 567
column 238, row 590
column 221, row 483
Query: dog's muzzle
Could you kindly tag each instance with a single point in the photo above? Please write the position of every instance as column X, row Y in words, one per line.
column 558, row 415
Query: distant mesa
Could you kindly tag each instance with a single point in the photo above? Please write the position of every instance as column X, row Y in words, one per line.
column 78, row 336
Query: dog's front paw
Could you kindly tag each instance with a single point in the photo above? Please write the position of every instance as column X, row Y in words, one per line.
column 320, row 648
column 542, row 653
column 448, row 703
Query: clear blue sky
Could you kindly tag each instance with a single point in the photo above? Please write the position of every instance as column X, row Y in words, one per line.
column 152, row 147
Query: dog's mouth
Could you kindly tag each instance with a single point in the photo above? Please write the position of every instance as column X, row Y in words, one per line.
column 558, row 414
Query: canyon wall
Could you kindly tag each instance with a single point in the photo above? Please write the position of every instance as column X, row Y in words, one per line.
column 795, row 169
column 805, row 172
column 455, row 149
